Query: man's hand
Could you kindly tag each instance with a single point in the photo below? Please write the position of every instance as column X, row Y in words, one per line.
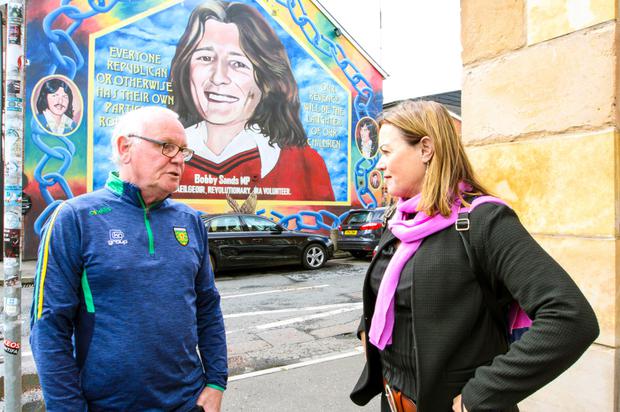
column 456, row 405
column 210, row 399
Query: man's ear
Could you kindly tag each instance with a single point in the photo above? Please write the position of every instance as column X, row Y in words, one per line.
column 123, row 146
column 428, row 149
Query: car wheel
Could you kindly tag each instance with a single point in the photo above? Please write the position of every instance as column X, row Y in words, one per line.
column 212, row 262
column 314, row 256
column 359, row 254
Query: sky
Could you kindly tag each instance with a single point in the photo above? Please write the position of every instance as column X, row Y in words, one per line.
column 418, row 43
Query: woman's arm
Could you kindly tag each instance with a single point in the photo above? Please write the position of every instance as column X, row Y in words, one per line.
column 564, row 324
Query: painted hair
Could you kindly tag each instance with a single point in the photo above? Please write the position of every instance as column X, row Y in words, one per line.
column 449, row 165
column 370, row 126
column 277, row 113
column 49, row 87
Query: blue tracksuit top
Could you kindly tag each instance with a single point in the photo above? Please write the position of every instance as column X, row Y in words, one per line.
column 123, row 296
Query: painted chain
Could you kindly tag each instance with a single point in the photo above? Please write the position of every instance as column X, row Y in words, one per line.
column 361, row 103
column 69, row 64
column 317, row 216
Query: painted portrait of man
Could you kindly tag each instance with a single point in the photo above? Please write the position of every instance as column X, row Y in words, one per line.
column 55, row 111
column 235, row 93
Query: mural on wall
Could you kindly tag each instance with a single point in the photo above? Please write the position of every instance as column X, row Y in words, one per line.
column 273, row 102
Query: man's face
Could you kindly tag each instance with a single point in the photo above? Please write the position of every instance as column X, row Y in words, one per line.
column 222, row 77
column 365, row 135
column 58, row 102
column 156, row 175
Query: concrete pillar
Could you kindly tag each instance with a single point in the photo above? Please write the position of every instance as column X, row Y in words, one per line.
column 540, row 119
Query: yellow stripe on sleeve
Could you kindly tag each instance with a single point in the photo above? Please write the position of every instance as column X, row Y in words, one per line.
column 48, row 235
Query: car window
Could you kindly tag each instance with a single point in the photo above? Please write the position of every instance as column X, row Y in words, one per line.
column 259, row 224
column 378, row 214
column 225, row 224
column 357, row 217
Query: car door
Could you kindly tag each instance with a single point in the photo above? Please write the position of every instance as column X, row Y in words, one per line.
column 273, row 244
column 227, row 240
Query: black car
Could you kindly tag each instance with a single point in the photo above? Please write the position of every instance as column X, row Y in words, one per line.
column 360, row 231
column 239, row 240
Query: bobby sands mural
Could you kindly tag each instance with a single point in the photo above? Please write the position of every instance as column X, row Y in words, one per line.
column 269, row 104
column 235, row 92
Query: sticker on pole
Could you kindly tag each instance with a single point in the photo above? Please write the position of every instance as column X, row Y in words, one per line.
column 11, row 306
column 11, row 347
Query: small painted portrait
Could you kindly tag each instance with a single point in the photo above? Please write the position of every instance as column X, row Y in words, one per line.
column 366, row 137
column 375, row 179
column 58, row 105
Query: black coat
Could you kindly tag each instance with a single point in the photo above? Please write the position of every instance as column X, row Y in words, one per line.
column 460, row 349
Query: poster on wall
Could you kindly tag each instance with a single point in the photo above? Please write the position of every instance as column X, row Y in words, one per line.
column 270, row 106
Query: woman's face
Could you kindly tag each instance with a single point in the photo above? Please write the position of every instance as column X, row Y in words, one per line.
column 401, row 163
column 58, row 102
column 222, row 77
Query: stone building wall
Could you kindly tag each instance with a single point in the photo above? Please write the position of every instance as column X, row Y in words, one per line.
column 540, row 119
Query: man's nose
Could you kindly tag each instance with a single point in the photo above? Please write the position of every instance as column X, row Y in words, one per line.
column 220, row 73
column 178, row 158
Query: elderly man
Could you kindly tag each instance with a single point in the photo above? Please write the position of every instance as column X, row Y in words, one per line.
column 124, row 292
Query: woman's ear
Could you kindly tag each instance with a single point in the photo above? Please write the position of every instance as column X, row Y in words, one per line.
column 427, row 149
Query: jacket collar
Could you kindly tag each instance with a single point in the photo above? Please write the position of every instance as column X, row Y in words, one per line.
column 128, row 192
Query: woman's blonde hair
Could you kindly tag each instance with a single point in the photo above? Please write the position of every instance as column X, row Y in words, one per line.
column 449, row 165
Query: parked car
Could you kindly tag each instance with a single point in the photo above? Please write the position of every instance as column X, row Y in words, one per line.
column 240, row 240
column 360, row 231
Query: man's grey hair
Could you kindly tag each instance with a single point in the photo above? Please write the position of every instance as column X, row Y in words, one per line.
column 135, row 122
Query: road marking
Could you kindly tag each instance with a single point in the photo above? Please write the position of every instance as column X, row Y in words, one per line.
column 354, row 306
column 274, row 311
column 348, row 307
column 272, row 291
column 358, row 350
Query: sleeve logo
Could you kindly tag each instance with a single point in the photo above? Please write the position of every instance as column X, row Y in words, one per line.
column 180, row 233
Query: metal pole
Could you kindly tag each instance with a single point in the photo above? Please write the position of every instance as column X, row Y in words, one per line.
column 13, row 165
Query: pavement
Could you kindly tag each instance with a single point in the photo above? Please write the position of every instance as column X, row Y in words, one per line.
column 319, row 385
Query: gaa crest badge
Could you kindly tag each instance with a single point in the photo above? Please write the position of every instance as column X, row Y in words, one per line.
column 180, row 233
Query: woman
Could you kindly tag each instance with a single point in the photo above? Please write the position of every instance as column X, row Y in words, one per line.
column 55, row 107
column 366, row 143
column 234, row 91
column 433, row 339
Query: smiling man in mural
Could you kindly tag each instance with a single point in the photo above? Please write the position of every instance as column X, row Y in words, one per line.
column 236, row 95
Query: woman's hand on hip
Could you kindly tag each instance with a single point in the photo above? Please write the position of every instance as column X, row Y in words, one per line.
column 457, row 405
column 363, row 339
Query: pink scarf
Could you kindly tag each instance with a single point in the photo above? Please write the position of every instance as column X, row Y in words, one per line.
column 411, row 234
